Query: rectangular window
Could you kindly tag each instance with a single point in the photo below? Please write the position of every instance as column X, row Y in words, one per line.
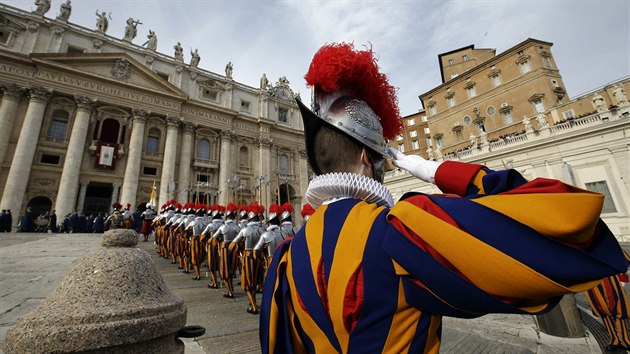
column 415, row 145
column 547, row 62
column 413, row 133
column 471, row 92
column 149, row 171
column 50, row 159
column 201, row 178
column 209, row 94
column 401, row 147
column 602, row 187
column 411, row 122
column 496, row 80
column 450, row 62
column 432, row 110
column 424, row 118
column 399, row 137
column 57, row 129
column 283, row 116
column 507, row 117
column 75, row 49
column 465, row 57
column 427, row 130
column 568, row 114
column 153, row 145
column 429, row 142
column 525, row 68
column 163, row 75
column 451, row 101
column 244, row 106
column 439, row 142
column 539, row 105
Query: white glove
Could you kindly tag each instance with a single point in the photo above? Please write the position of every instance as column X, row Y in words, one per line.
column 414, row 164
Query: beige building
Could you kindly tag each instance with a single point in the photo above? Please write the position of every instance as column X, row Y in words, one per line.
column 511, row 111
column 485, row 97
column 416, row 137
column 88, row 120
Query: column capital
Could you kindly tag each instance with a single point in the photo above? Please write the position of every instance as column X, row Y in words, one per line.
column 266, row 143
column 173, row 121
column 302, row 153
column 84, row 103
column 226, row 135
column 189, row 127
column 12, row 91
column 39, row 94
column 139, row 115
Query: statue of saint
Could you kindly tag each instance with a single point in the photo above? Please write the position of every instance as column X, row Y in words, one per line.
column 228, row 70
column 599, row 103
column 264, row 82
column 542, row 121
column 194, row 58
column 101, row 22
column 179, row 52
column 152, row 42
column 64, row 11
column 483, row 136
column 42, row 7
column 619, row 93
column 131, row 30
column 473, row 140
column 528, row 125
column 430, row 153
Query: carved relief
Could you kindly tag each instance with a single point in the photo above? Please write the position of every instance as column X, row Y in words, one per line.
column 139, row 115
column 57, row 30
column 266, row 143
column 189, row 127
column 13, row 91
column 45, row 181
column 97, row 44
column 84, row 103
column 226, row 134
column 173, row 122
column 33, row 26
column 121, row 69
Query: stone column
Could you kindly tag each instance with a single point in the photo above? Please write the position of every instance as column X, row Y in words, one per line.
column 264, row 166
column 184, row 160
column 82, row 193
column 20, row 170
column 225, row 165
column 170, row 157
column 115, row 192
column 10, row 102
column 67, row 194
column 132, row 170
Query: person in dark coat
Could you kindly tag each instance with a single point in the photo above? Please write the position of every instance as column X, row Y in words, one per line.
column 137, row 220
column 74, row 222
column 65, row 224
column 99, row 224
column 82, row 223
column 53, row 222
column 8, row 221
column 28, row 221
column 89, row 227
column 3, row 222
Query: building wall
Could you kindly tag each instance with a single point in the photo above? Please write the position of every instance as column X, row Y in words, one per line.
column 89, row 77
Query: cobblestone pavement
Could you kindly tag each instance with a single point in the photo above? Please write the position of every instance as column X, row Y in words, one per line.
column 32, row 265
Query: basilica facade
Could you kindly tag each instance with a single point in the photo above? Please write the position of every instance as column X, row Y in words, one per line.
column 88, row 120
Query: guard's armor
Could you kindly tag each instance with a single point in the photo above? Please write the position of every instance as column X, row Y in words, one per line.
column 212, row 227
column 251, row 233
column 148, row 214
column 197, row 225
column 287, row 229
column 271, row 237
column 228, row 231
column 173, row 219
column 242, row 224
column 127, row 214
column 186, row 221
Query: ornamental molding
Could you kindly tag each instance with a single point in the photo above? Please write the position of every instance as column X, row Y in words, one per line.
column 84, row 103
column 13, row 91
column 39, row 94
column 226, row 134
column 139, row 115
column 173, row 121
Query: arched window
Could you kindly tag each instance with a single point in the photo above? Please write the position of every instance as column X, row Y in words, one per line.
column 58, row 125
column 203, row 150
column 109, row 131
column 283, row 163
column 243, row 156
column 153, row 141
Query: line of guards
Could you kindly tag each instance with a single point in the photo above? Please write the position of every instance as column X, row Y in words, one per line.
column 227, row 239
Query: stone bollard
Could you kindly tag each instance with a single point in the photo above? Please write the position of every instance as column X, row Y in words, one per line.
column 113, row 301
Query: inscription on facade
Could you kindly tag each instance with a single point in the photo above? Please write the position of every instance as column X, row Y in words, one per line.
column 206, row 115
column 244, row 126
column 89, row 85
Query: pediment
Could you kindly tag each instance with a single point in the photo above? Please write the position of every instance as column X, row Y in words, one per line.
column 114, row 68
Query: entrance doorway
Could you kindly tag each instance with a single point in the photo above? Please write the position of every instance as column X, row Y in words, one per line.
column 98, row 198
column 286, row 192
column 39, row 205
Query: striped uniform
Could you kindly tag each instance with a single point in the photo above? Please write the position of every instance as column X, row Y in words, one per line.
column 363, row 278
column 609, row 301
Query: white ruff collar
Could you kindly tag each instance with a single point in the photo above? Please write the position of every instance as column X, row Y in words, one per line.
column 337, row 185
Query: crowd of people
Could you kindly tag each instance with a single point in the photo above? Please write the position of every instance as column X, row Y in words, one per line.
column 230, row 241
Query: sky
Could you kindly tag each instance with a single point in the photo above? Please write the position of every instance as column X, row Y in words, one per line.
column 279, row 38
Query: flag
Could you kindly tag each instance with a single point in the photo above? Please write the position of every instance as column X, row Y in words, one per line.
column 153, row 199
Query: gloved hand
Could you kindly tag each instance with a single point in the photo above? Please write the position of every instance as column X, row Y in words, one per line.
column 414, row 164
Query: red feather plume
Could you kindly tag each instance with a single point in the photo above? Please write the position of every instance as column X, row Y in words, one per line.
column 287, row 207
column 307, row 209
column 340, row 66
